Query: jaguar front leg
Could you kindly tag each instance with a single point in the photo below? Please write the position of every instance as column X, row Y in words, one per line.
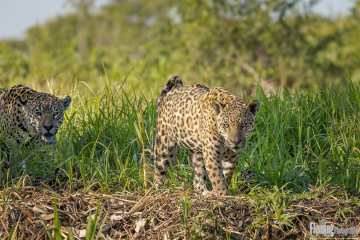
column 213, row 164
column 163, row 152
column 229, row 162
column 6, row 165
column 199, row 173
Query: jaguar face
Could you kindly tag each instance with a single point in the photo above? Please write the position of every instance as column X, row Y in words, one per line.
column 235, row 122
column 45, row 114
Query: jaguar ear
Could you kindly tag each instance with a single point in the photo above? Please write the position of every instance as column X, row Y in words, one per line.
column 218, row 107
column 253, row 106
column 66, row 102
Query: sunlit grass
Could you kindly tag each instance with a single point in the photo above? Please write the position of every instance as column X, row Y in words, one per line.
column 299, row 139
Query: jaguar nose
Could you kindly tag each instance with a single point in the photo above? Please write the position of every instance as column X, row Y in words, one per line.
column 48, row 127
column 236, row 141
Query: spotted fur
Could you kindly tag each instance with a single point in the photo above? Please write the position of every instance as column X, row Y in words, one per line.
column 173, row 82
column 212, row 123
column 29, row 116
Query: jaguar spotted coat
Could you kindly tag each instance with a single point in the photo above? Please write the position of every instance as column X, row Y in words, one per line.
column 212, row 123
column 29, row 116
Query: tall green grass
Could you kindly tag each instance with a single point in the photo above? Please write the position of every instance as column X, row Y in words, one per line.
column 299, row 140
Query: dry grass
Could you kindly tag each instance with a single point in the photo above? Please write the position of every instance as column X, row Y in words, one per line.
column 157, row 215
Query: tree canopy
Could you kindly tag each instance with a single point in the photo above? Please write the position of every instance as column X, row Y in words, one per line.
column 232, row 43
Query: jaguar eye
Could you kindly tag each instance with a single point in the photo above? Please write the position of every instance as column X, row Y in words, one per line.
column 38, row 114
column 226, row 125
column 55, row 111
column 243, row 124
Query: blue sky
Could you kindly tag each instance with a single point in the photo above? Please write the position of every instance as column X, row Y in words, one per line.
column 18, row 15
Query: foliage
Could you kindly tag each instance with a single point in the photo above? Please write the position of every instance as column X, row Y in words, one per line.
column 299, row 140
column 228, row 43
column 185, row 202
